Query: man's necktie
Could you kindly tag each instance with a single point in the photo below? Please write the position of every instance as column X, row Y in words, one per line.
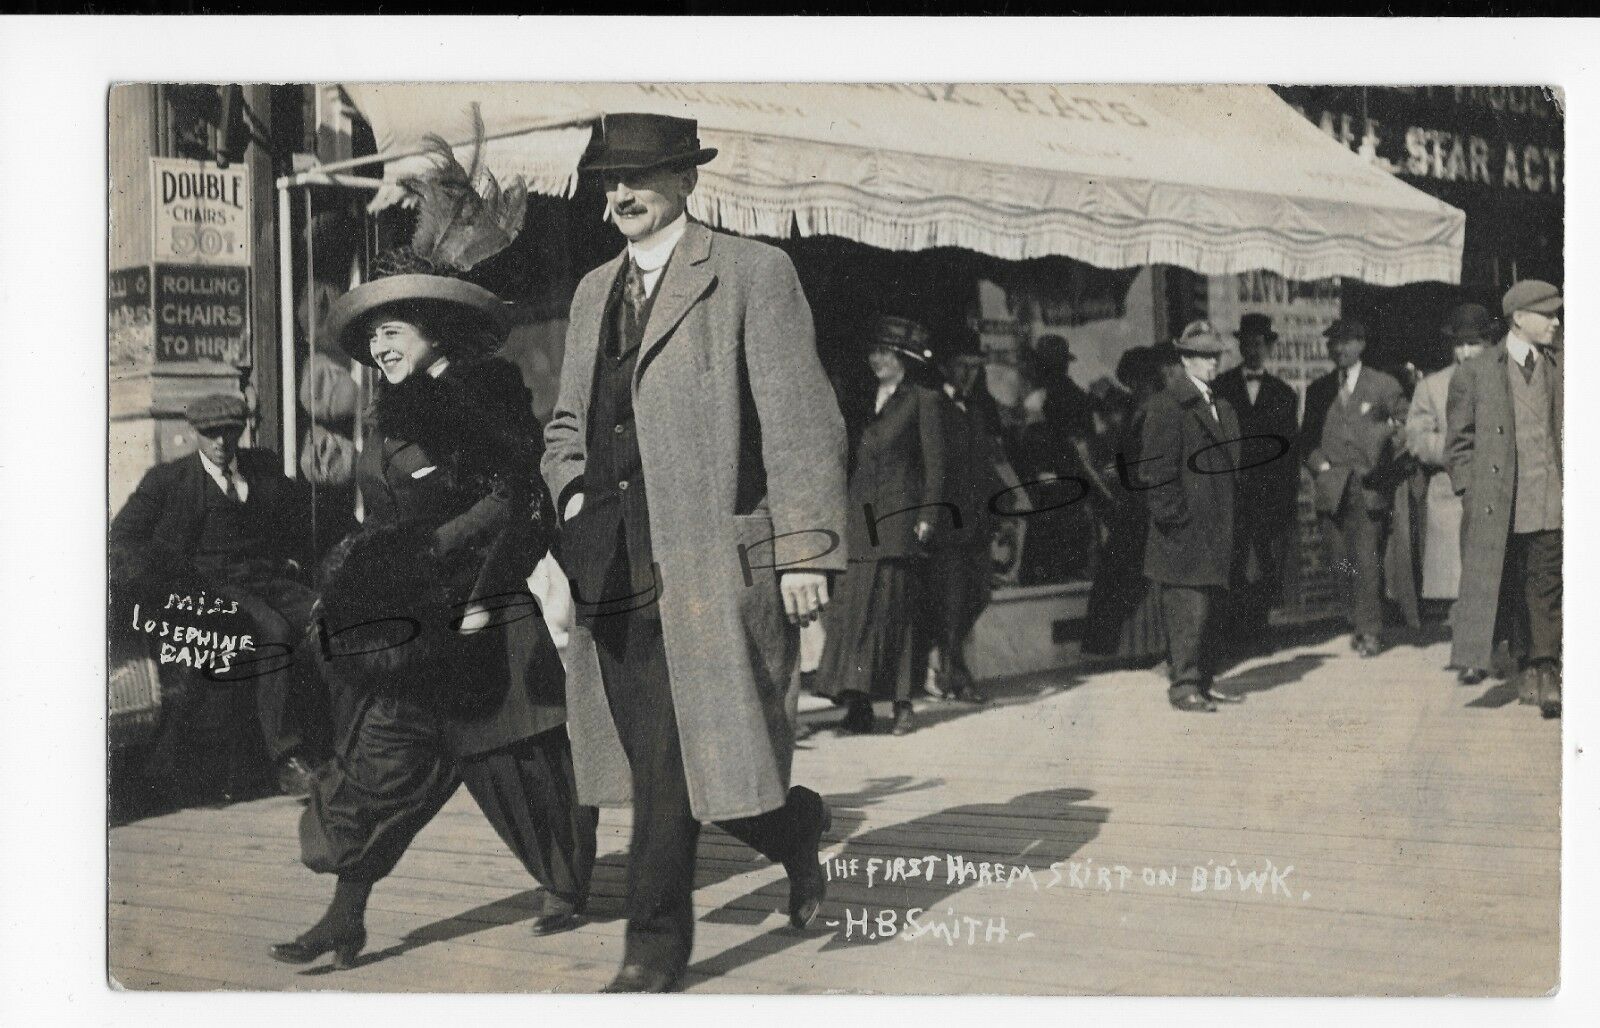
column 229, row 487
column 633, row 289
column 1527, row 367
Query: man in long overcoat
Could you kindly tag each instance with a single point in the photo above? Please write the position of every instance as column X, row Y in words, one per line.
column 1504, row 452
column 1269, row 476
column 697, row 453
column 1467, row 331
column 1187, row 457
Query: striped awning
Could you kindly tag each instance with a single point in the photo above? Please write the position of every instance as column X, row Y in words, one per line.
column 1218, row 179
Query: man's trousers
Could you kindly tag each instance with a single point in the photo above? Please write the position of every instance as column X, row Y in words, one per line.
column 661, row 853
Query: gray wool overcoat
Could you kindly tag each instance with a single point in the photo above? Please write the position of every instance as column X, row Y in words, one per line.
column 728, row 361
column 1482, row 454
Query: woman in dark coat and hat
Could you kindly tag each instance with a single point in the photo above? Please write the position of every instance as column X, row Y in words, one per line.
column 896, row 488
column 443, row 669
column 1124, row 613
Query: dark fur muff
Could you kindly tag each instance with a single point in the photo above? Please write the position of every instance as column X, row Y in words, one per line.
column 381, row 607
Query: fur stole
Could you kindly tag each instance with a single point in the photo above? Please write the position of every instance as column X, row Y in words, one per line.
column 477, row 417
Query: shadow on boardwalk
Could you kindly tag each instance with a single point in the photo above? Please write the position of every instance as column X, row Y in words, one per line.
column 1047, row 826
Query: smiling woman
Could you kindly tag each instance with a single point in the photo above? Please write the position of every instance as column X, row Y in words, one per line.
column 456, row 519
column 400, row 348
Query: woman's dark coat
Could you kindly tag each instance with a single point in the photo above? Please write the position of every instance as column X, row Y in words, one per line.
column 897, row 476
column 460, row 453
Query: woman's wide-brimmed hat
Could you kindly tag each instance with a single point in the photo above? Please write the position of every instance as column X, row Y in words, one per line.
column 481, row 313
column 903, row 336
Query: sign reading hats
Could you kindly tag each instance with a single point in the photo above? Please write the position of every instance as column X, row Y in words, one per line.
column 201, row 232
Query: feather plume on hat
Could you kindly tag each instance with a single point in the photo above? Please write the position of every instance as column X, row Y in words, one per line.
column 464, row 216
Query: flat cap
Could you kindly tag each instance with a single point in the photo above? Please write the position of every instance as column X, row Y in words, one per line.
column 215, row 411
column 1199, row 337
column 903, row 334
column 1531, row 295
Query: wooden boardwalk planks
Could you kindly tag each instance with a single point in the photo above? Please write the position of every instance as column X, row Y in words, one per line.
column 1420, row 820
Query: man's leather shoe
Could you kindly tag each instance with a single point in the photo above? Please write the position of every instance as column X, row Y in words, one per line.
column 1368, row 646
column 294, row 777
column 1190, row 701
column 971, row 695
column 859, row 719
column 639, row 978
column 1528, row 686
column 558, row 916
column 1215, row 695
column 808, row 884
column 904, row 720
column 1471, row 676
column 1549, row 690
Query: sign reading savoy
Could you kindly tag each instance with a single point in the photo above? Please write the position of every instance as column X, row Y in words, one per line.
column 201, row 212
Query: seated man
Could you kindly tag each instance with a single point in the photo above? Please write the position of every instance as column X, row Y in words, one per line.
column 215, row 531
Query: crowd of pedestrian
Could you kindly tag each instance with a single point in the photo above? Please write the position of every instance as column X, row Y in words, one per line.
column 715, row 505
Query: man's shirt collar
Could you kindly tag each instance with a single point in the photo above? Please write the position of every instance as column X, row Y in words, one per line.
column 652, row 252
column 1517, row 348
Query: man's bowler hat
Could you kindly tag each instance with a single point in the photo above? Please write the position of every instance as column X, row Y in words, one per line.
column 217, row 410
column 1254, row 324
column 1200, row 338
column 639, row 142
column 1469, row 321
column 1531, row 295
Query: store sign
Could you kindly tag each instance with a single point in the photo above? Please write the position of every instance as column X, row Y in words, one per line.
column 1500, row 138
column 202, row 313
column 128, row 317
column 1301, row 312
column 201, row 212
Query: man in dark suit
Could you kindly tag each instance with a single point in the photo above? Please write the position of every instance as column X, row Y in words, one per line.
column 1269, row 476
column 1186, row 463
column 225, row 521
column 961, row 565
column 1505, row 415
column 1354, row 426
column 696, row 452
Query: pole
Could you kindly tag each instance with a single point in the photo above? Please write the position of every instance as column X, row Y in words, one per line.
column 286, row 321
column 542, row 125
